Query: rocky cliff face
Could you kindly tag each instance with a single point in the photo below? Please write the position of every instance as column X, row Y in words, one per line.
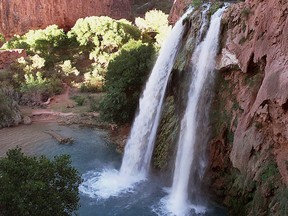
column 17, row 17
column 248, row 167
column 9, row 56
column 178, row 9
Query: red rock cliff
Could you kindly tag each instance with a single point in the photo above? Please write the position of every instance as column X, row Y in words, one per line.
column 249, row 151
column 17, row 17
column 178, row 9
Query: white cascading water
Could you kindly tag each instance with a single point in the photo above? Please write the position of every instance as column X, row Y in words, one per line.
column 203, row 60
column 139, row 147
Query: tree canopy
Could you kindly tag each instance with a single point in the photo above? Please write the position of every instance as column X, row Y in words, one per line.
column 37, row 186
column 125, row 78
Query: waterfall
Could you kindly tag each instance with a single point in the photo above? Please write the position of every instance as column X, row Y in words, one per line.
column 203, row 61
column 139, row 148
column 140, row 144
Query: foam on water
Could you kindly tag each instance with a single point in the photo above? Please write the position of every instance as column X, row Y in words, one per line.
column 108, row 183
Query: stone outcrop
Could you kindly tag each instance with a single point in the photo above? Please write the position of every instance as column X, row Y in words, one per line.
column 259, row 40
column 17, row 17
column 248, row 167
column 9, row 56
column 177, row 10
column 251, row 99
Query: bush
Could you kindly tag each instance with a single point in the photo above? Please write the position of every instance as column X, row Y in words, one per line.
column 37, row 186
column 125, row 78
column 156, row 22
column 9, row 109
column 35, row 89
column 42, row 41
column 102, row 37
column 5, row 109
column 78, row 99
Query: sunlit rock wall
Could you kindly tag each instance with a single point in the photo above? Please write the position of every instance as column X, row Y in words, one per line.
column 17, row 17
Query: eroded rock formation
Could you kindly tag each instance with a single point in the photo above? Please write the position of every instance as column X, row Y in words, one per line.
column 178, row 9
column 249, row 148
column 17, row 17
column 252, row 95
column 8, row 56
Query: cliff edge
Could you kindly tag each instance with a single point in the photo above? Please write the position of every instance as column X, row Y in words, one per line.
column 17, row 17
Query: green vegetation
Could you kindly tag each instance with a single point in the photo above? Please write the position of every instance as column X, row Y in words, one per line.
column 196, row 3
column 5, row 109
column 215, row 6
column 125, row 78
column 88, row 57
column 281, row 200
column 2, row 39
column 9, row 110
column 269, row 172
column 167, row 135
column 154, row 23
column 37, row 186
column 102, row 38
column 78, row 99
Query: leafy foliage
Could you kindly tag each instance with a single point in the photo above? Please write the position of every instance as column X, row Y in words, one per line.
column 102, row 37
column 2, row 39
column 5, row 109
column 35, row 88
column 37, row 186
column 197, row 3
column 125, row 78
column 9, row 109
column 42, row 41
column 81, row 58
column 156, row 22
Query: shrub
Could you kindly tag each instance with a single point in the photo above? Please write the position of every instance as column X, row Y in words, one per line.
column 41, row 41
column 156, row 22
column 78, row 99
column 35, row 89
column 37, row 186
column 102, row 37
column 5, row 110
column 197, row 3
column 125, row 78
column 9, row 109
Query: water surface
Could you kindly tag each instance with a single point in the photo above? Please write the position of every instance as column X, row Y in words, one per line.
column 90, row 154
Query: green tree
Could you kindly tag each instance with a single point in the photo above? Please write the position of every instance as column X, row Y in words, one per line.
column 125, row 78
column 37, row 186
column 9, row 109
column 154, row 25
column 102, row 37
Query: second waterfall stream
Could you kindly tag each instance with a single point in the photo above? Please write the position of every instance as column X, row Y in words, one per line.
column 184, row 197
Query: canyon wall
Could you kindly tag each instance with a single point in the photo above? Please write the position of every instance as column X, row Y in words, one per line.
column 17, row 17
column 248, row 168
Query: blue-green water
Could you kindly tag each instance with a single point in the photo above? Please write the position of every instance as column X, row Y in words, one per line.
column 90, row 154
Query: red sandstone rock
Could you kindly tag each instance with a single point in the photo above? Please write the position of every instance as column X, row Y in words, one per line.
column 258, row 35
column 17, row 17
column 8, row 56
column 177, row 10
